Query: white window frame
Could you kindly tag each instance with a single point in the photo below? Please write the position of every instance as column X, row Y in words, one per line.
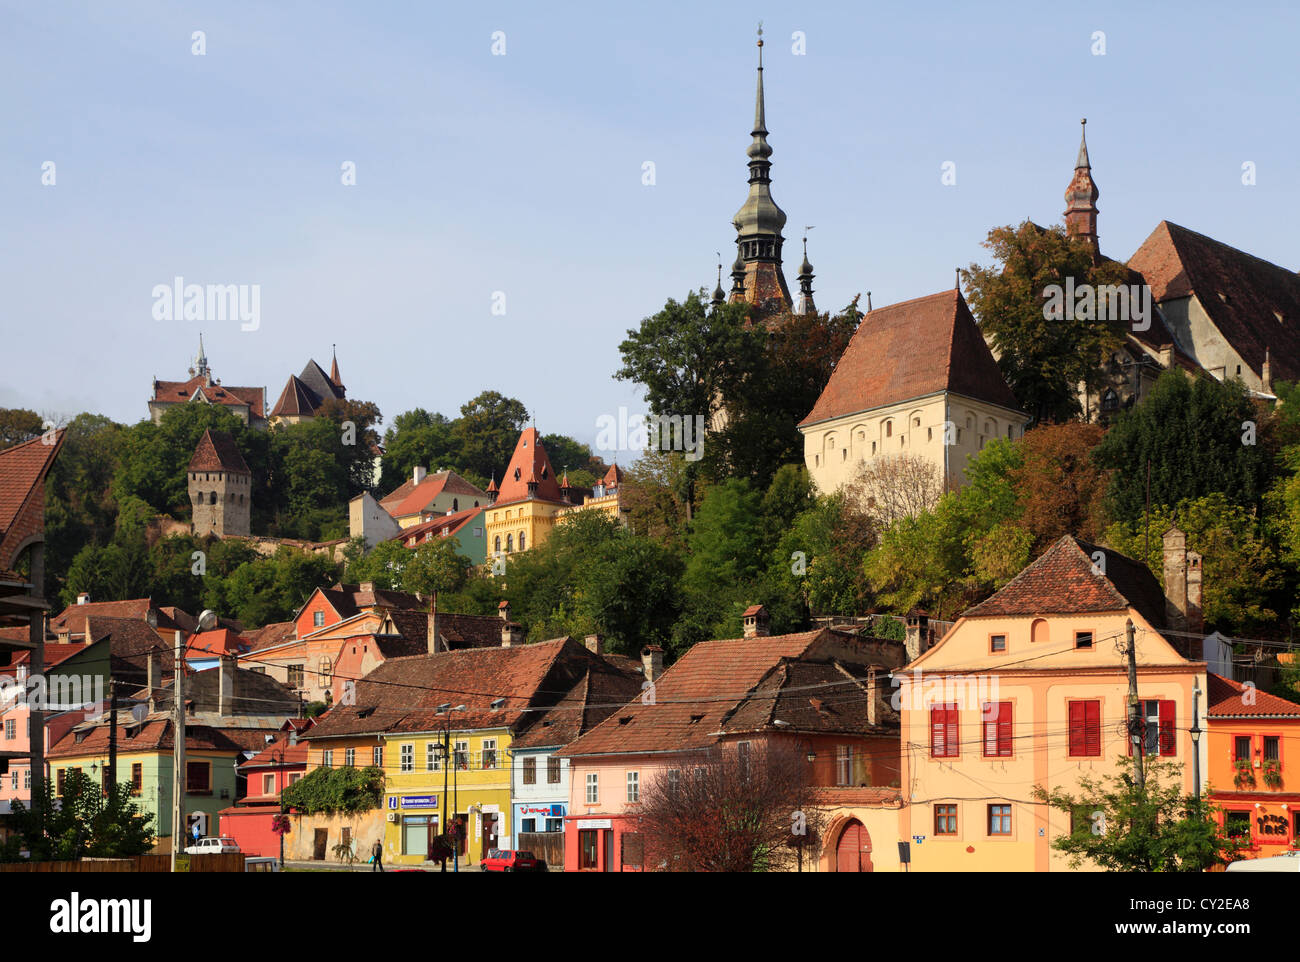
column 408, row 757
column 633, row 787
column 593, row 788
column 327, row 758
column 433, row 756
column 489, row 746
column 350, row 757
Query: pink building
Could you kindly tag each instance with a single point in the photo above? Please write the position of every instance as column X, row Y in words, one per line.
column 266, row 775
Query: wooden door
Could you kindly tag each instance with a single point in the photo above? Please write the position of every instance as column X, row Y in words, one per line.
column 853, row 851
column 318, row 847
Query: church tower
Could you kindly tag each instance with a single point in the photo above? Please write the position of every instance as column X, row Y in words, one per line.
column 1081, row 198
column 220, row 487
column 756, row 276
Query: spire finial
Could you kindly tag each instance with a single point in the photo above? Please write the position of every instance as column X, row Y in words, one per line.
column 1082, row 160
column 868, row 302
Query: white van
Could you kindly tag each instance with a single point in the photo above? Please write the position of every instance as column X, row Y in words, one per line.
column 1290, row 862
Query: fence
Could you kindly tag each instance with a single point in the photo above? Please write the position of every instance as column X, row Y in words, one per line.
column 218, row 862
column 140, row 863
column 544, row 845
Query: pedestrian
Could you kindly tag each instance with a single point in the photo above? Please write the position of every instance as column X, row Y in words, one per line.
column 377, row 856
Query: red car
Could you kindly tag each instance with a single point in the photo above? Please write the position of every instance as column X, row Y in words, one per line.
column 512, row 860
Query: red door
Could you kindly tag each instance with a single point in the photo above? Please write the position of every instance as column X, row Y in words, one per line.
column 853, row 852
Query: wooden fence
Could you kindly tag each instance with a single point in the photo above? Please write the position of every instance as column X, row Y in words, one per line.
column 545, row 845
column 218, row 862
column 139, row 863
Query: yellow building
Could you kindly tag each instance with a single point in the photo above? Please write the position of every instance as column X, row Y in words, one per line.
column 916, row 382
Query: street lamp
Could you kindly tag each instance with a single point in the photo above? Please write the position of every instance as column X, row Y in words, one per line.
column 446, row 709
column 1196, row 739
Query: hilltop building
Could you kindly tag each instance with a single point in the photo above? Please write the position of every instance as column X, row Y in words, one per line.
column 220, row 486
column 303, row 395
column 246, row 403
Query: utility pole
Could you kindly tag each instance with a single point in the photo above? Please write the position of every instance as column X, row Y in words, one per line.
column 1135, row 720
column 1196, row 740
column 179, row 832
column 110, row 776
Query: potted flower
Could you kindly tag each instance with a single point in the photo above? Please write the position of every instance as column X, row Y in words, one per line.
column 1245, row 773
column 1272, row 773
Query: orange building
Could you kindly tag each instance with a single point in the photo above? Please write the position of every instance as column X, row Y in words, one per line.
column 1254, row 766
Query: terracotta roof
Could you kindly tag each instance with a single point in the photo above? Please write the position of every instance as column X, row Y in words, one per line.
column 814, row 696
column 859, row 796
column 220, row 641
column 130, row 641
column 280, row 753
column 1062, row 580
column 693, row 696
column 157, row 735
column 295, row 399
column 613, row 477
column 53, row 653
column 349, row 600
column 254, row 694
column 73, row 618
column 1227, row 699
column 402, row 694
column 1242, row 294
column 217, row 451
column 22, row 476
column 600, row 693
column 529, row 461
column 276, row 633
column 178, row 392
column 910, row 350
column 413, row 498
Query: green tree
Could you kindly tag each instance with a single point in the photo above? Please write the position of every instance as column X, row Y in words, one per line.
column 18, row 425
column 335, row 791
column 418, row 438
column 85, row 822
column 1120, row 827
column 1200, row 437
column 486, row 432
column 1043, row 359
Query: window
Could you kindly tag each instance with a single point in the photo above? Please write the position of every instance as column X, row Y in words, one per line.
column 528, row 825
column 843, row 765
column 510, row 543
column 294, row 776
column 997, row 644
column 1236, row 824
column 295, row 676
column 496, row 544
column 555, row 825
column 268, row 784
column 593, row 788
column 326, row 667
column 1241, row 748
column 999, row 819
column 674, row 779
column 889, row 429
column 943, row 731
column 1273, row 749
column 327, row 758
column 377, row 756
column 489, row 753
column 587, row 848
column 350, row 757
column 1085, row 728
column 742, row 755
column 61, row 779
column 1083, row 639
column 432, row 756
column 461, row 750
column 318, row 619
column 522, row 541
column 945, row 820
column 1160, row 737
column 11, row 729
column 530, row 771
column 634, row 786
column 408, row 757
column 198, row 778
column 1038, row 631
column 13, row 780
column 997, row 729
column 137, row 778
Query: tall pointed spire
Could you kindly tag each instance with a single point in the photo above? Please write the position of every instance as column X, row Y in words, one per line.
column 334, row 367
column 759, row 221
column 1081, row 197
column 806, row 305
column 201, row 362
column 718, row 296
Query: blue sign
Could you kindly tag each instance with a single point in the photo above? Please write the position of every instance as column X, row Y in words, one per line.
column 419, row 801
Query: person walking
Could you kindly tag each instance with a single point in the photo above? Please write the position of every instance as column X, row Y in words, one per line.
column 377, row 856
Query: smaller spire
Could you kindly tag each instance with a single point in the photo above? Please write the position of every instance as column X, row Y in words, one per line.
column 806, row 305
column 201, row 362
column 1082, row 161
column 334, row 365
column 957, row 282
column 868, row 302
column 718, row 295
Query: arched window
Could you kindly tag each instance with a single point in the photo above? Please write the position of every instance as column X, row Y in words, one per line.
column 213, row 498
column 496, row 544
column 455, row 504
column 889, row 429
column 510, row 543
column 522, row 541
column 1038, row 630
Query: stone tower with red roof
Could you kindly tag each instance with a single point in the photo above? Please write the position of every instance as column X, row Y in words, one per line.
column 220, row 486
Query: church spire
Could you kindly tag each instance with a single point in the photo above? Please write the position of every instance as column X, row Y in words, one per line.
column 1081, row 197
column 718, row 296
column 334, row 367
column 759, row 221
column 201, row 363
column 806, row 305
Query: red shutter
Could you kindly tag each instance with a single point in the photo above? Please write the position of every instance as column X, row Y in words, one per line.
column 1168, row 738
column 936, row 732
column 1076, row 728
column 1004, row 728
column 943, row 731
column 1092, row 728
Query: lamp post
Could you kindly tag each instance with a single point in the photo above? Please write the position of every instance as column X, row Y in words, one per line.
column 446, row 709
column 1196, row 739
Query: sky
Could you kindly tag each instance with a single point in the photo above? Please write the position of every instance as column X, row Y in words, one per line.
column 515, row 180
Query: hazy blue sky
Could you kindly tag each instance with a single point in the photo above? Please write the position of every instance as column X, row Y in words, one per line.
column 523, row 173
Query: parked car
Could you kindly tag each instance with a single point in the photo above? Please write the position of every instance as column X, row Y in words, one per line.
column 212, row 846
column 512, row 860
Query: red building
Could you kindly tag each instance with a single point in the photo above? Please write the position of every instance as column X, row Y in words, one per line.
column 267, row 774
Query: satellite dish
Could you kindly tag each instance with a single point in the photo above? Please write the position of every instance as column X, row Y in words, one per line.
column 207, row 619
column 139, row 712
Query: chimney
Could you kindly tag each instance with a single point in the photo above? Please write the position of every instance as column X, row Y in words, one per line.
column 1195, row 615
column 596, row 644
column 418, row 475
column 504, row 610
column 652, row 662
column 917, row 634
column 1266, row 373
column 756, row 622
column 511, row 634
column 367, row 586
column 1175, row 558
column 152, row 677
column 83, row 598
column 431, row 633
column 293, row 737
column 873, row 694
column 226, row 686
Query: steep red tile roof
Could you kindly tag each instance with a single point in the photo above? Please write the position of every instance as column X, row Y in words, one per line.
column 692, row 698
column 1062, row 580
column 217, row 451
column 529, row 463
column 1228, row 699
column 23, row 468
column 73, row 618
column 295, row 399
column 441, row 526
column 276, row 633
column 177, row 392
column 815, row 696
column 600, row 693
column 910, row 350
column 55, row 653
column 220, row 641
column 280, row 753
column 157, row 735
column 613, row 477
column 413, row 498
column 1242, row 294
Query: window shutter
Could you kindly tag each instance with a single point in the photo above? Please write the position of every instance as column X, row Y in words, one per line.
column 937, row 732
column 1168, row 738
column 1004, row 728
column 1076, row 728
column 1092, row 727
